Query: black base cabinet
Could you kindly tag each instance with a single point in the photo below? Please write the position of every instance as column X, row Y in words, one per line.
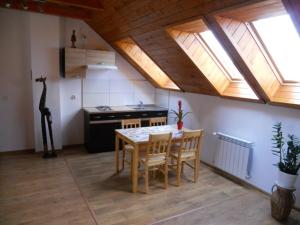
column 99, row 128
column 100, row 139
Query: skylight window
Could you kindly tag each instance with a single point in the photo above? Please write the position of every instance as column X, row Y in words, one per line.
column 283, row 44
column 209, row 57
column 221, row 55
column 150, row 69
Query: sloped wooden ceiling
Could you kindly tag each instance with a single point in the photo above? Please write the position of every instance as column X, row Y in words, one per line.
column 68, row 8
column 146, row 22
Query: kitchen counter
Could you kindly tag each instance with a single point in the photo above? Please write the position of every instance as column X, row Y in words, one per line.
column 126, row 108
column 100, row 126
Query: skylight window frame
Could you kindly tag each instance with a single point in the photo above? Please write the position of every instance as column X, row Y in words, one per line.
column 209, row 64
column 258, row 65
column 130, row 41
column 268, row 55
column 265, row 52
column 216, row 58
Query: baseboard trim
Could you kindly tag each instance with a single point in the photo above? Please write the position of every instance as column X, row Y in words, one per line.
column 32, row 150
column 17, row 152
column 239, row 181
column 72, row 146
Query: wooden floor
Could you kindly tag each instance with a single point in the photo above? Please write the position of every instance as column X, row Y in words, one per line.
column 81, row 189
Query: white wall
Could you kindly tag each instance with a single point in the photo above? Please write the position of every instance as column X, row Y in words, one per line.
column 29, row 46
column 108, row 87
column 44, row 49
column 16, row 128
column 31, row 41
column 248, row 121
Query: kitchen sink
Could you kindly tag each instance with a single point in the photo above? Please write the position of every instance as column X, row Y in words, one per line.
column 139, row 108
column 144, row 107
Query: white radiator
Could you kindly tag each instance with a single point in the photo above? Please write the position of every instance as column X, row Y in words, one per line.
column 233, row 155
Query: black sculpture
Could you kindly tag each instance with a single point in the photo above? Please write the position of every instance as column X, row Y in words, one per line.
column 73, row 39
column 46, row 114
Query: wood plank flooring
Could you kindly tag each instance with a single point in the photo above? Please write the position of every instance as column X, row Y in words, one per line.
column 36, row 191
column 81, row 189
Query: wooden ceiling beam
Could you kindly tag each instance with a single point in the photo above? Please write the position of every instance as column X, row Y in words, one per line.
column 49, row 8
column 141, row 17
column 90, row 4
column 255, row 11
column 237, row 59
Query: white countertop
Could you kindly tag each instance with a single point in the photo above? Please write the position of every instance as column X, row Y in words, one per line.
column 122, row 109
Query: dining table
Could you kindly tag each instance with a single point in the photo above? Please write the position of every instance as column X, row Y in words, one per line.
column 138, row 137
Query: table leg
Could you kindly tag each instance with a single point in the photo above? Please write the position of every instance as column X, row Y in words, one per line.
column 135, row 168
column 117, row 140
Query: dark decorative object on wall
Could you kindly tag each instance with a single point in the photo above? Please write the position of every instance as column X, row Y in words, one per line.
column 46, row 114
column 73, row 39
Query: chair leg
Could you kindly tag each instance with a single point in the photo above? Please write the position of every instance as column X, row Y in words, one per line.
column 166, row 175
column 196, row 170
column 182, row 166
column 123, row 159
column 131, row 166
column 146, row 179
column 171, row 163
column 178, row 173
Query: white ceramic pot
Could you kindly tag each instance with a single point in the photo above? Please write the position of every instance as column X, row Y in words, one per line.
column 286, row 180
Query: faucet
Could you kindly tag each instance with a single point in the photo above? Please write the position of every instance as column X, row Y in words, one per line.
column 141, row 104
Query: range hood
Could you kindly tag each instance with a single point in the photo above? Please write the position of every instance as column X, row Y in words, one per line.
column 78, row 61
column 101, row 66
column 100, row 60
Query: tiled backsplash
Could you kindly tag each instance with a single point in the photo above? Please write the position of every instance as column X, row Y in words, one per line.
column 162, row 98
column 114, row 92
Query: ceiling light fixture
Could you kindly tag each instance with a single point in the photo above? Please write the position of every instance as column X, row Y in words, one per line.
column 24, row 4
column 40, row 4
column 40, row 7
column 8, row 3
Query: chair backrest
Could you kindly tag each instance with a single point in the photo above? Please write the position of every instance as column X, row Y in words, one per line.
column 158, row 121
column 131, row 123
column 191, row 141
column 159, row 144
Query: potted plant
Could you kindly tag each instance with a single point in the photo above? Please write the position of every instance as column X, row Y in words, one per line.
column 179, row 115
column 288, row 165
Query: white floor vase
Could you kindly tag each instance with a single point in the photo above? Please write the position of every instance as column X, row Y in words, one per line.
column 286, row 180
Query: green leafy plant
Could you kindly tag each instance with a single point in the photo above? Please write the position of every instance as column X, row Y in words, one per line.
column 288, row 157
column 180, row 114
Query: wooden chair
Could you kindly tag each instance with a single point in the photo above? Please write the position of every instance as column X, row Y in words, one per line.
column 158, row 121
column 131, row 123
column 127, row 148
column 188, row 150
column 156, row 157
